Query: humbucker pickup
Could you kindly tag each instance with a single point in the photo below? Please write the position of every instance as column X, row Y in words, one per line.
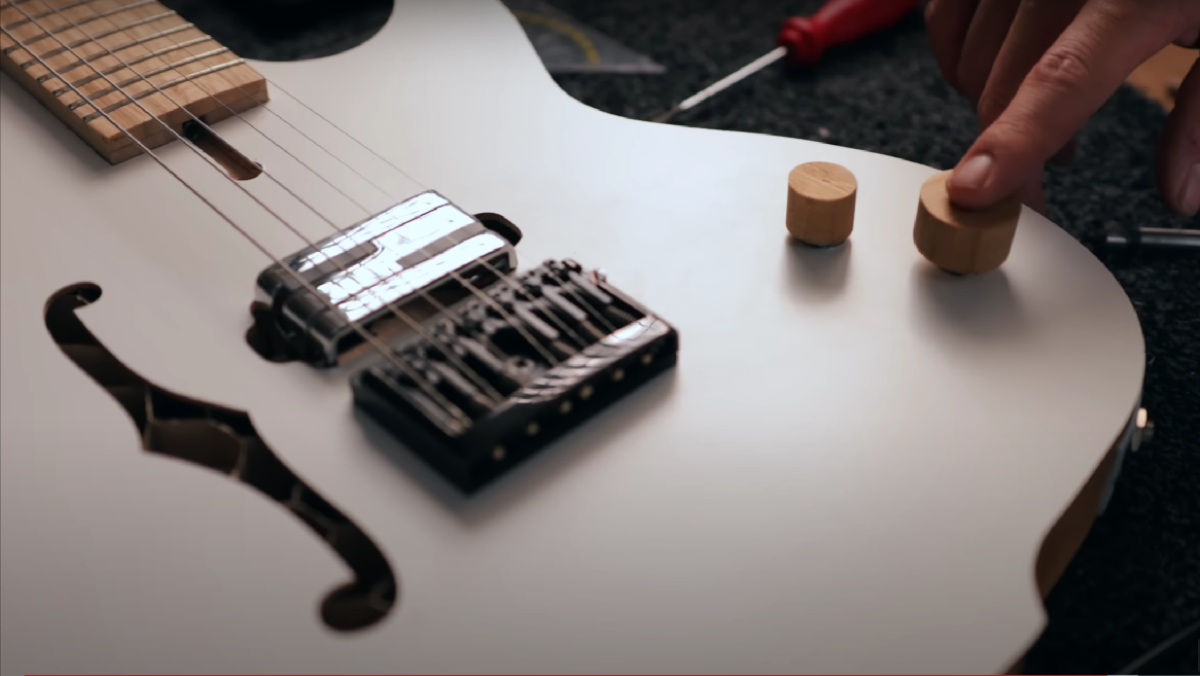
column 371, row 273
column 494, row 364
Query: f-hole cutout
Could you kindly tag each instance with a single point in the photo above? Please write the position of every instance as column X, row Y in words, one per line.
column 224, row 440
column 231, row 159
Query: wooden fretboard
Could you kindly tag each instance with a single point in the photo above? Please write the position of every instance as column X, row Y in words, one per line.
column 50, row 57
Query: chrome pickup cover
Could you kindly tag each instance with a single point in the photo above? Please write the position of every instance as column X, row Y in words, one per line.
column 365, row 273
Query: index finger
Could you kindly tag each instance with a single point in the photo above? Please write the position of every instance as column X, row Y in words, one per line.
column 1083, row 68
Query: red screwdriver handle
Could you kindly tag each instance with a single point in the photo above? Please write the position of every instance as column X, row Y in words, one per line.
column 839, row 22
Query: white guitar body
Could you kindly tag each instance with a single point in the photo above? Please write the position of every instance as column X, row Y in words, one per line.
column 851, row 468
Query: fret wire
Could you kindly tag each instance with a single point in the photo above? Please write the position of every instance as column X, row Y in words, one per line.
column 84, row 61
column 95, row 16
column 370, row 338
column 130, row 99
column 115, row 69
column 70, row 46
column 49, row 12
column 137, row 77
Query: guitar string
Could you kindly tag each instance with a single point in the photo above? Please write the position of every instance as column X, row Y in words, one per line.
column 265, row 105
column 366, row 336
column 608, row 326
column 416, row 377
column 488, row 390
column 50, row 12
column 484, row 262
column 479, row 381
column 454, row 274
column 549, row 313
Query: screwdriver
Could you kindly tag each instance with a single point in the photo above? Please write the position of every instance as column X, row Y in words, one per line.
column 803, row 39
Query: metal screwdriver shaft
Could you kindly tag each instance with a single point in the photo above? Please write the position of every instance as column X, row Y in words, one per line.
column 724, row 83
column 803, row 39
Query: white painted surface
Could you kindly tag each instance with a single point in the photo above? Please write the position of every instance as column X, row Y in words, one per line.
column 851, row 468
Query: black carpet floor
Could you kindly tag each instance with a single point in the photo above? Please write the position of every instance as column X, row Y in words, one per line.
column 1136, row 580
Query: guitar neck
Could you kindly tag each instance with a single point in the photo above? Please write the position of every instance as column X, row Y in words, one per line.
column 116, row 69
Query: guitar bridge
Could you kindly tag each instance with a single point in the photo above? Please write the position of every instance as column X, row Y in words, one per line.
column 546, row 351
column 473, row 366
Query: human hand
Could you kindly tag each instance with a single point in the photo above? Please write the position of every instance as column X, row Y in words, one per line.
column 1036, row 70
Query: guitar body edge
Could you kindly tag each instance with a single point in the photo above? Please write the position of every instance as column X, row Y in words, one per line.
column 852, row 467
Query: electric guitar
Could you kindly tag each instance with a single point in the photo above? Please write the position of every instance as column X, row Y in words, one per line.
column 403, row 360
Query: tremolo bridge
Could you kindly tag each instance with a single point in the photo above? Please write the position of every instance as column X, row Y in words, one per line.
column 481, row 366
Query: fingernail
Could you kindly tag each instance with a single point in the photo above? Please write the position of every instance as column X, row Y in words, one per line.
column 1189, row 195
column 973, row 173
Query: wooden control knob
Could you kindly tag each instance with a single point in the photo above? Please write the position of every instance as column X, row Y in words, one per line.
column 820, row 207
column 960, row 240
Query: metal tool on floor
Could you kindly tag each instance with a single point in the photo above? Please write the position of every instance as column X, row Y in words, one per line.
column 804, row 39
column 1122, row 243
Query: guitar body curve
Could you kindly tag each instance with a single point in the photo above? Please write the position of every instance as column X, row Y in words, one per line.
column 851, row 468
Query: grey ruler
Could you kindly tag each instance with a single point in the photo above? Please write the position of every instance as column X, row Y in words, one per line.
column 567, row 46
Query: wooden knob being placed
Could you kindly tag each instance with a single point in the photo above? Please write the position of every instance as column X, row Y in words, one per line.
column 820, row 206
column 960, row 240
